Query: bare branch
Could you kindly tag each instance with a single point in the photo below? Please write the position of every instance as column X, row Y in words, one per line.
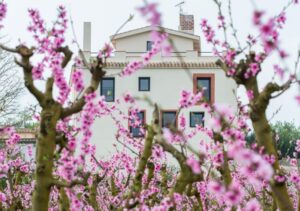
column 62, row 184
column 68, row 55
column 12, row 50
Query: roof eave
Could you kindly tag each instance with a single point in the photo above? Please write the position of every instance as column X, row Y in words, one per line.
column 149, row 28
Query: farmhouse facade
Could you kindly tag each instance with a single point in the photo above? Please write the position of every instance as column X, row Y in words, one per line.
column 162, row 80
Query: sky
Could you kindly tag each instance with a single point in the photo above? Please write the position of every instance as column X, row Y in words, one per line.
column 108, row 15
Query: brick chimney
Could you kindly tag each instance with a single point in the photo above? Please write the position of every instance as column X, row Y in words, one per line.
column 186, row 23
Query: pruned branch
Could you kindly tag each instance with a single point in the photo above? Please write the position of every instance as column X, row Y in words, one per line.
column 97, row 74
column 67, row 53
column 63, row 184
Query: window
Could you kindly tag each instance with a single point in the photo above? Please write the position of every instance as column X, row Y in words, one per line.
column 206, row 82
column 169, row 119
column 144, row 84
column 108, row 89
column 136, row 130
column 149, row 45
column 196, row 118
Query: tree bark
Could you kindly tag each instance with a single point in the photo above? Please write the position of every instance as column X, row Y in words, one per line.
column 44, row 157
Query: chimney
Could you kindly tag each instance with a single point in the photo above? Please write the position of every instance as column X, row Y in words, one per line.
column 87, row 37
column 186, row 23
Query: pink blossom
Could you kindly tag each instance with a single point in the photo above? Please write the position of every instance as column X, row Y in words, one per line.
column 168, row 135
column 298, row 99
column 150, row 11
column 235, row 193
column 77, row 80
column 221, row 21
column 2, row 197
column 38, row 70
column 250, row 95
column 3, row 11
column 106, row 51
column 215, row 124
column 182, row 121
column 193, row 164
column 279, row 178
column 128, row 98
column 207, row 30
column 279, row 71
column 252, row 205
column 283, row 54
column 268, row 28
column 281, row 19
column 252, row 71
column 257, row 15
column 159, row 44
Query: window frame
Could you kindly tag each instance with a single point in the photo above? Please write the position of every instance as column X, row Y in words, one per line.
column 199, row 112
column 210, row 76
column 152, row 43
column 168, row 111
column 114, row 88
column 130, row 127
column 149, row 82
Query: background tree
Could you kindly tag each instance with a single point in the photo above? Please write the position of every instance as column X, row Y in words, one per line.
column 22, row 118
column 11, row 86
column 286, row 136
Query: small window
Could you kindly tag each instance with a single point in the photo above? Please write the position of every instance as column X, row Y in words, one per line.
column 205, row 82
column 196, row 118
column 144, row 84
column 149, row 45
column 169, row 119
column 136, row 131
column 108, row 89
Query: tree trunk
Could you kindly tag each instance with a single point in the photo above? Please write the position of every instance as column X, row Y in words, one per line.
column 264, row 137
column 46, row 144
column 64, row 202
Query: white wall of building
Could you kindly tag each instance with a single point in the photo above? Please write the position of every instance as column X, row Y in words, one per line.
column 125, row 44
column 165, row 85
column 165, row 88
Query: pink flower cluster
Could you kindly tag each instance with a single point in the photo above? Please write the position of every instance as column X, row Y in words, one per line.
column 209, row 33
column 150, row 12
column 77, row 80
column 159, row 44
column 269, row 30
column 48, row 43
column 3, row 11
column 106, row 51
column 188, row 99
column 193, row 164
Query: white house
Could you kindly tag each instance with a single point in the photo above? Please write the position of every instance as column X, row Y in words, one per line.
column 161, row 80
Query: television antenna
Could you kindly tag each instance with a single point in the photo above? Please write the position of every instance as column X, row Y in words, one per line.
column 180, row 6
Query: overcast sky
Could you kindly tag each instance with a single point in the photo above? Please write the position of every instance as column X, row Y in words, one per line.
column 107, row 15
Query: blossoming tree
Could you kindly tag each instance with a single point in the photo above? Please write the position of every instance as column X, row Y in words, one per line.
column 221, row 174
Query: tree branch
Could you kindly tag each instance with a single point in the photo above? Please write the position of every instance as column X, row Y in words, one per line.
column 68, row 55
column 62, row 184
column 97, row 74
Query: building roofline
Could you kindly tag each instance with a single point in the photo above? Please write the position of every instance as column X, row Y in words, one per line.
column 157, row 28
column 167, row 65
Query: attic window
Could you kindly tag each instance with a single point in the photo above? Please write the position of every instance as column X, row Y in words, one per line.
column 149, row 45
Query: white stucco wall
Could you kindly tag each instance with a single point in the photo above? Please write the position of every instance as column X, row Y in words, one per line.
column 166, row 85
column 139, row 40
